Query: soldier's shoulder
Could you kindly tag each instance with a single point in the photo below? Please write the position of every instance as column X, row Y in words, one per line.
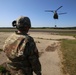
column 11, row 37
column 30, row 39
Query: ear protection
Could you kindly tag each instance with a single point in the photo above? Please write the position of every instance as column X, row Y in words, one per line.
column 14, row 23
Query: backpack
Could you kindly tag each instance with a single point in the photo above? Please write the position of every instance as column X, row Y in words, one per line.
column 16, row 48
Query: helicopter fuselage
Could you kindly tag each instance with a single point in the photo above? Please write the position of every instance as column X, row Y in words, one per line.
column 55, row 15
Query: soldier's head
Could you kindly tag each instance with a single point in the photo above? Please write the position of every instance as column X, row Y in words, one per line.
column 22, row 24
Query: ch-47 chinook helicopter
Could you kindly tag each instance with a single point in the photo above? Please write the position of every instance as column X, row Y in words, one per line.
column 55, row 16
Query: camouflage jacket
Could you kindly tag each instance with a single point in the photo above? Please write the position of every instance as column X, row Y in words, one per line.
column 21, row 49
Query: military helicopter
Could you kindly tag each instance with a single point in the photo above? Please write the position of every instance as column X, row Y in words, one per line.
column 55, row 16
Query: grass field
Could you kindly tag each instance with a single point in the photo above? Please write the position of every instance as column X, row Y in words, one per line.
column 68, row 48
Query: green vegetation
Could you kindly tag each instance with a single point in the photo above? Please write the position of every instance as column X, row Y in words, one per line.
column 68, row 48
column 53, row 27
column 69, row 33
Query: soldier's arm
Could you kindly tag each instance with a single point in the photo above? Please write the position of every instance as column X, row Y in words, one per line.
column 34, row 57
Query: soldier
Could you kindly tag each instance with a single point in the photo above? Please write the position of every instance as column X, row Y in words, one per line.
column 21, row 51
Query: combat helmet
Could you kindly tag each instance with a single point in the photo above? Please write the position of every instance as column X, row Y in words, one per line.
column 21, row 22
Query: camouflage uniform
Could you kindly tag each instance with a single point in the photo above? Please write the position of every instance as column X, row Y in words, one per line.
column 23, row 55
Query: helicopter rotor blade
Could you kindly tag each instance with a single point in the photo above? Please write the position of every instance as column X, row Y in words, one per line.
column 59, row 8
column 61, row 13
column 49, row 11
